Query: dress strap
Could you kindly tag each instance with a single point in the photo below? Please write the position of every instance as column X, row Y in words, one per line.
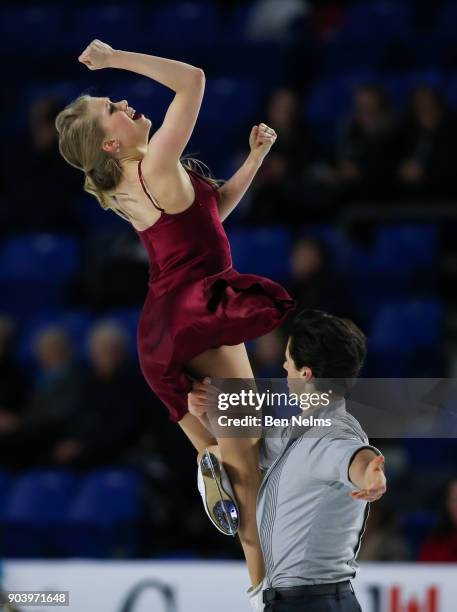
column 143, row 184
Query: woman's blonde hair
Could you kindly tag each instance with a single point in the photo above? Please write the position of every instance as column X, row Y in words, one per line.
column 80, row 143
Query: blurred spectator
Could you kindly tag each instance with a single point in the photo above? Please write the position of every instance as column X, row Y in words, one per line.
column 52, row 404
column 271, row 20
column 110, row 413
column 39, row 184
column 365, row 152
column 382, row 540
column 427, row 148
column 314, row 282
column 268, row 355
column 441, row 546
column 12, row 382
column 277, row 185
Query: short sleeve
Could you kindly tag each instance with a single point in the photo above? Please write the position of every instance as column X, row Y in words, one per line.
column 330, row 458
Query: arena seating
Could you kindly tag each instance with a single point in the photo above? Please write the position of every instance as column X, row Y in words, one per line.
column 49, row 513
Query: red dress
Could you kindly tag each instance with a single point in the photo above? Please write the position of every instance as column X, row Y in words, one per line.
column 196, row 300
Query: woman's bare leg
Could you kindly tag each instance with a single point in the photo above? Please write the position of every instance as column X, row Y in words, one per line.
column 239, row 455
column 200, row 437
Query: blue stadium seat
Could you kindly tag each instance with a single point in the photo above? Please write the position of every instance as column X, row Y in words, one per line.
column 34, row 509
column 397, row 254
column 228, row 101
column 18, row 298
column 264, row 62
column 447, row 22
column 264, row 251
column 430, row 453
column 377, row 20
column 102, row 520
column 108, row 496
column 405, row 339
column 400, row 86
column 416, row 526
column 406, row 326
column 343, row 56
column 332, row 96
column 236, row 24
column 35, row 270
column 6, row 481
column 117, row 23
column 451, row 91
column 196, row 23
column 40, row 497
column 36, row 28
column 44, row 257
column 330, row 100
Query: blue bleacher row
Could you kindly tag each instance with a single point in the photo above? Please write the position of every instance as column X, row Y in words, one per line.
column 197, row 22
column 397, row 252
column 49, row 513
column 356, row 53
column 392, row 282
column 57, row 513
column 187, row 22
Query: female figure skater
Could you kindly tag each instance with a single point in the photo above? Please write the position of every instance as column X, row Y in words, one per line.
column 199, row 310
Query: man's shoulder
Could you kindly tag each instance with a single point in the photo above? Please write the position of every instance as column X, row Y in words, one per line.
column 346, row 423
column 343, row 426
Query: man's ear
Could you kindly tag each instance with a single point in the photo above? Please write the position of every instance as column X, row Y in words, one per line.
column 307, row 373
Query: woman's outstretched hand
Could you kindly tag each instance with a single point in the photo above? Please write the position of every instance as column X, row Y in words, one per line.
column 261, row 140
column 97, row 55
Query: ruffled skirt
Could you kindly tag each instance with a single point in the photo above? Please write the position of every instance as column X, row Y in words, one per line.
column 227, row 308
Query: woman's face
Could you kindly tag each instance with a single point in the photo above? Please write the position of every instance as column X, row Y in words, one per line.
column 116, row 119
column 306, row 260
column 427, row 108
column 282, row 108
column 368, row 108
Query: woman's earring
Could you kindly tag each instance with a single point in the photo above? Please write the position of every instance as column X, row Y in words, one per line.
column 118, row 147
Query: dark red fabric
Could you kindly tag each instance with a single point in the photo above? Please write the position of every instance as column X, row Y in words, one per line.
column 196, row 299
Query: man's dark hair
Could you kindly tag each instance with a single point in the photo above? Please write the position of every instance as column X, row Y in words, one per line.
column 332, row 347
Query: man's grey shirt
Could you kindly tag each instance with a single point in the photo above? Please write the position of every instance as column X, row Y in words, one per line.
column 309, row 526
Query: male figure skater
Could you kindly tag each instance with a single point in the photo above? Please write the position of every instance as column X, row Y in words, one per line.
column 314, row 498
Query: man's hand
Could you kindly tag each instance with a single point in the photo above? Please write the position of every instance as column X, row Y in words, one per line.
column 369, row 477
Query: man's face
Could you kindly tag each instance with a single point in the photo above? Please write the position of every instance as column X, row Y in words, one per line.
column 290, row 366
column 298, row 380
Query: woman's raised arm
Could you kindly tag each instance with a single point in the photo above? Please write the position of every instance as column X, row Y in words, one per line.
column 169, row 141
